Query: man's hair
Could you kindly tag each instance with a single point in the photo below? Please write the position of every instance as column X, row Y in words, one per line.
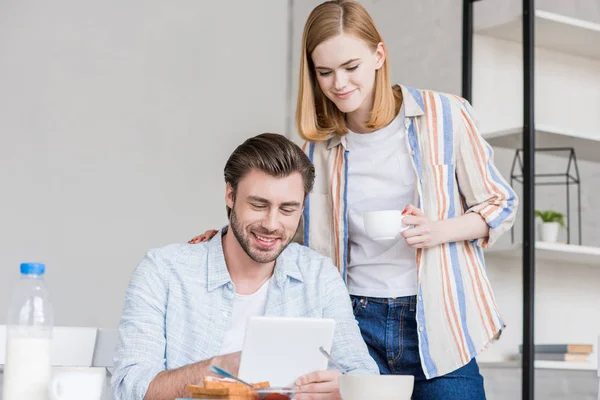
column 273, row 154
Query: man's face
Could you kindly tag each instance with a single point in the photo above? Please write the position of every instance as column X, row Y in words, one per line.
column 265, row 212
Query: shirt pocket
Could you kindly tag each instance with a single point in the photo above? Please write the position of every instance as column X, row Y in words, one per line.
column 443, row 188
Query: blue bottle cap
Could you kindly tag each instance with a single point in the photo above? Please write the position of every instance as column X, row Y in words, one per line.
column 33, row 269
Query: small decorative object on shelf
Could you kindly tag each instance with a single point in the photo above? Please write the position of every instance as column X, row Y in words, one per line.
column 569, row 177
column 552, row 221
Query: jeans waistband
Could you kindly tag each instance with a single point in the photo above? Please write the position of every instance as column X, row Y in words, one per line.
column 406, row 300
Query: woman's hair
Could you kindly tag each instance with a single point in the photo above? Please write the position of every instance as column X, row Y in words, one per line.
column 273, row 154
column 317, row 117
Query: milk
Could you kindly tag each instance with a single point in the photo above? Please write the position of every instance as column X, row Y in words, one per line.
column 30, row 322
column 27, row 369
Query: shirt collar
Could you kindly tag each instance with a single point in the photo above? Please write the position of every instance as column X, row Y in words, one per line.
column 412, row 100
column 218, row 274
column 287, row 265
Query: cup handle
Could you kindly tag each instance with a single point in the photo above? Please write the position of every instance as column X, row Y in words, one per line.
column 55, row 388
column 403, row 227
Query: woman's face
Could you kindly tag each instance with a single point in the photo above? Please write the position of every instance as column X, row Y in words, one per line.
column 345, row 68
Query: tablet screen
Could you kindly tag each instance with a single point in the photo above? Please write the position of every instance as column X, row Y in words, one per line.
column 281, row 349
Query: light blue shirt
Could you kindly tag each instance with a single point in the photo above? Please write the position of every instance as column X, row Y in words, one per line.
column 179, row 304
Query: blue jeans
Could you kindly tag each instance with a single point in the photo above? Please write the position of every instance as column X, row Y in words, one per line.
column 389, row 327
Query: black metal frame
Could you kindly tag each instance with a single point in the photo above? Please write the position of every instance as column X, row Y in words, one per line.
column 528, row 201
column 528, row 372
column 567, row 180
column 467, row 50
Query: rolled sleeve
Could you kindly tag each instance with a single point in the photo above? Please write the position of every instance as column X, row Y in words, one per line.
column 484, row 189
column 140, row 352
column 349, row 348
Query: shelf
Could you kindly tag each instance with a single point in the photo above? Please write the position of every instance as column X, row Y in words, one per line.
column 539, row 364
column 587, row 146
column 583, row 366
column 554, row 252
column 553, row 32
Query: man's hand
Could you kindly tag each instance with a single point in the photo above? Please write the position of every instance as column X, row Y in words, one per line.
column 228, row 362
column 320, row 385
column 170, row 384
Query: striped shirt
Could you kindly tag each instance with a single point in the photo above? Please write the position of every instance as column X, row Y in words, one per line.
column 457, row 315
column 179, row 306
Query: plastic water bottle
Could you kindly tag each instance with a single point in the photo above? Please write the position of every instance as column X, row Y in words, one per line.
column 28, row 337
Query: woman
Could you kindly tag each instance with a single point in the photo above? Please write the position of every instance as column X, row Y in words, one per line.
column 423, row 302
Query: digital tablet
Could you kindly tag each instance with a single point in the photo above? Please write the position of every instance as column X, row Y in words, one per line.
column 281, row 349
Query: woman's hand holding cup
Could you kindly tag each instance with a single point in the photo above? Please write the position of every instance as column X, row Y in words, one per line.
column 416, row 229
column 424, row 232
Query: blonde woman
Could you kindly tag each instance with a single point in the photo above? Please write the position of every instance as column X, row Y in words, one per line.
column 424, row 303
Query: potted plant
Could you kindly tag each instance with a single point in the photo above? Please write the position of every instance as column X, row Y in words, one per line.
column 552, row 221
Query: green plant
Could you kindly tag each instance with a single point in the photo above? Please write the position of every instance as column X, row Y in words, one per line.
column 551, row 216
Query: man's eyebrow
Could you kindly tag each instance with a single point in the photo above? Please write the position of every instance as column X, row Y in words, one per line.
column 342, row 65
column 259, row 199
column 291, row 204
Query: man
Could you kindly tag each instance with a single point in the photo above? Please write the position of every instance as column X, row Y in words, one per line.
column 186, row 305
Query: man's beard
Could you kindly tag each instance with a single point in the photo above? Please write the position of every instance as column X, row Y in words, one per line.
column 256, row 255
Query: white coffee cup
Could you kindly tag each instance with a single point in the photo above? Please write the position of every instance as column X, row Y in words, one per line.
column 384, row 225
column 380, row 387
column 77, row 383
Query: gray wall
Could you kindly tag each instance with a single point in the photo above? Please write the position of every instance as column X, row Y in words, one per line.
column 116, row 119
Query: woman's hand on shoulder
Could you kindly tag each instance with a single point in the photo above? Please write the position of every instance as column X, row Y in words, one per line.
column 205, row 237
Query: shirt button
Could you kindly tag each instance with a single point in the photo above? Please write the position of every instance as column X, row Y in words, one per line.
column 229, row 285
column 421, row 329
column 412, row 153
column 407, row 122
column 420, row 298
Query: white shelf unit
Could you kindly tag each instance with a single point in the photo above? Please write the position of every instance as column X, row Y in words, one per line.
column 559, row 35
column 554, row 32
column 567, row 100
column 539, row 364
column 567, row 84
column 570, row 254
column 587, row 146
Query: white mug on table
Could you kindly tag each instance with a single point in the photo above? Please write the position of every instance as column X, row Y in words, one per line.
column 380, row 387
column 77, row 383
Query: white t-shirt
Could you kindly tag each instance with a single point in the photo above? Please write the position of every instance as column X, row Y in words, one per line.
column 380, row 177
column 244, row 306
